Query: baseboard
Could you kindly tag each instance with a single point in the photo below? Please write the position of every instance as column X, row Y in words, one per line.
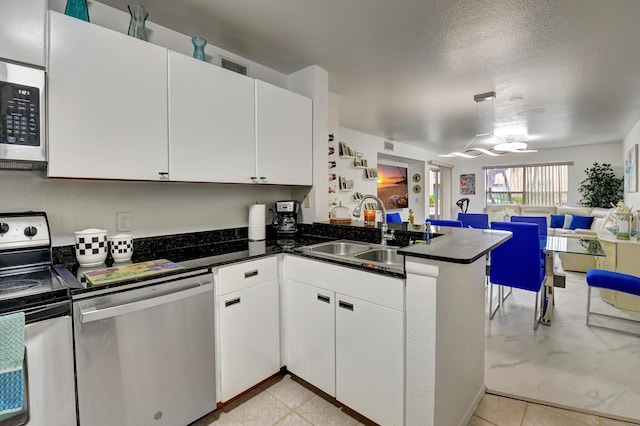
column 472, row 408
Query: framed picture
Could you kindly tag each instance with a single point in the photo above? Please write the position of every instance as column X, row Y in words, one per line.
column 468, row 184
column 393, row 187
column 631, row 169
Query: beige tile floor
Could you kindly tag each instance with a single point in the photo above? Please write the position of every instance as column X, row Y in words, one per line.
column 283, row 402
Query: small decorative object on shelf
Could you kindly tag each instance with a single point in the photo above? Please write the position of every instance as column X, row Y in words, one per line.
column 371, row 173
column 332, row 190
column 198, row 48
column 345, row 184
column 332, row 176
column 411, row 218
column 624, row 218
column 331, row 150
column 332, row 164
column 77, row 9
column 331, row 137
column 345, row 151
column 138, row 21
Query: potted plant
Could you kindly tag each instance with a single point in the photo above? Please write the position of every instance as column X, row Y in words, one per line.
column 601, row 187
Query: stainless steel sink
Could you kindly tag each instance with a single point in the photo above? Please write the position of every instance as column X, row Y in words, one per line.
column 358, row 253
column 339, row 248
column 386, row 256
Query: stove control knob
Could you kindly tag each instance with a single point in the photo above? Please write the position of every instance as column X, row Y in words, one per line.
column 4, row 228
column 30, row 231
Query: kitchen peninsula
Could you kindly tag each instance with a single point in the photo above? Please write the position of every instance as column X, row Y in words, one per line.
column 421, row 333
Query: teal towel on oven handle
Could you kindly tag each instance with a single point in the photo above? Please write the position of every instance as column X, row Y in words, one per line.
column 11, row 341
column 11, row 391
column 11, row 359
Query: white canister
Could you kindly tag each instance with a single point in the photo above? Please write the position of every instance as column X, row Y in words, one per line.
column 121, row 247
column 91, row 246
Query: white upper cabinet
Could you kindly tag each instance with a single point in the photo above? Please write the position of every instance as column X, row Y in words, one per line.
column 107, row 96
column 284, row 136
column 22, row 30
column 211, row 122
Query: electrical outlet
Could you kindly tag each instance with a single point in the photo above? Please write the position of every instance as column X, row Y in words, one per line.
column 307, row 204
column 123, row 221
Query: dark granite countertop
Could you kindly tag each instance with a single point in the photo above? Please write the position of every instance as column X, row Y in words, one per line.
column 459, row 245
column 203, row 251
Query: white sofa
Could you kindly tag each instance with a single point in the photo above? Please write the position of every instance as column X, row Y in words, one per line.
column 570, row 262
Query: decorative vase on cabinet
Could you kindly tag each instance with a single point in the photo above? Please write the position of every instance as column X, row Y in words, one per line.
column 198, row 48
column 138, row 20
column 77, row 9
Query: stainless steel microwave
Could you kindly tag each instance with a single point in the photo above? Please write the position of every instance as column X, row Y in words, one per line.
column 22, row 113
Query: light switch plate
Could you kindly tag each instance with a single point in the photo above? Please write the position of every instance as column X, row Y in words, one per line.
column 123, row 221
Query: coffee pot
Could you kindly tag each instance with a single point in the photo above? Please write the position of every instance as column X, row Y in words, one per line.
column 285, row 220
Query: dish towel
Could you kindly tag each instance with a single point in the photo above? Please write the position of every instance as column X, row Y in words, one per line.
column 11, row 358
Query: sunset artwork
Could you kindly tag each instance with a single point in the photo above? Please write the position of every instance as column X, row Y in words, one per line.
column 393, row 189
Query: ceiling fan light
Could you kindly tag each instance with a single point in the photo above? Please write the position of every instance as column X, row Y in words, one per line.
column 510, row 146
column 487, row 152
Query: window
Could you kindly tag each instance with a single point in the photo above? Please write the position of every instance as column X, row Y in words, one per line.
column 542, row 184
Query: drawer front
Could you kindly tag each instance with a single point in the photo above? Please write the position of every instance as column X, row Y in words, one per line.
column 246, row 274
column 375, row 288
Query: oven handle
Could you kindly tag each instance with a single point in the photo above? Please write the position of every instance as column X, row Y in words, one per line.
column 94, row 314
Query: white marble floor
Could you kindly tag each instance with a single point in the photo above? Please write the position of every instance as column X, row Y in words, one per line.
column 566, row 364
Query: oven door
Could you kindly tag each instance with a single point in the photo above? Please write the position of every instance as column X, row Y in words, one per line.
column 50, row 389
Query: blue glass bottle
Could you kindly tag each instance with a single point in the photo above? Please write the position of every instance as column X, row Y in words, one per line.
column 198, row 48
column 77, row 9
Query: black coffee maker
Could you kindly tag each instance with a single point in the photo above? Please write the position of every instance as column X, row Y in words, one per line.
column 285, row 220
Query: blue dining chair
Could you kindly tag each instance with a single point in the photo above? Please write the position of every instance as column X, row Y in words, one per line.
column 445, row 222
column 516, row 263
column 541, row 221
column 474, row 220
column 394, row 218
column 611, row 280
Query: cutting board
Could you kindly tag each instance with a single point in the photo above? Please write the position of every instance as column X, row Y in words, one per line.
column 127, row 272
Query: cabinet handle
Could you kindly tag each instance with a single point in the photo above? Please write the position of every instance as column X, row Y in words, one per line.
column 254, row 179
column 231, row 302
column 323, row 298
column 345, row 305
column 163, row 175
column 263, row 179
column 250, row 274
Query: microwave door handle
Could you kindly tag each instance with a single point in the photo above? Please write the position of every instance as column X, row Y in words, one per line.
column 93, row 314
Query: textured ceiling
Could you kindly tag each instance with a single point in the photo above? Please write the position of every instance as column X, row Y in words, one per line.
column 407, row 70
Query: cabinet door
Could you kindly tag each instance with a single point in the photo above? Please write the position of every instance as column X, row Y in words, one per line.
column 283, row 135
column 370, row 359
column 211, row 123
column 107, row 97
column 249, row 337
column 22, row 24
column 310, row 334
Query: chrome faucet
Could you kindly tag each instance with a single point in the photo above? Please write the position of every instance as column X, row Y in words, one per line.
column 384, row 227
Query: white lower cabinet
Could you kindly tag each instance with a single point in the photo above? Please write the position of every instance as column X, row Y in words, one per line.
column 370, row 359
column 310, row 330
column 249, row 325
column 344, row 332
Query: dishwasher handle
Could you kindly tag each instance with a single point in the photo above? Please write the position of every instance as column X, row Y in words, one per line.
column 94, row 314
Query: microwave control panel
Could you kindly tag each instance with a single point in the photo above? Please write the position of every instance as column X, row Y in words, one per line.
column 19, row 114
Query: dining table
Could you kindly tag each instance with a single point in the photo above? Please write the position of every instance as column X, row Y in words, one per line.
column 553, row 245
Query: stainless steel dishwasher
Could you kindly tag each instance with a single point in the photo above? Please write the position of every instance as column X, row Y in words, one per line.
column 145, row 356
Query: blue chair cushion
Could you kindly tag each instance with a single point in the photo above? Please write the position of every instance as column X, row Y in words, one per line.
column 614, row 281
column 445, row 222
column 474, row 220
column 517, row 262
column 394, row 218
column 580, row 222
